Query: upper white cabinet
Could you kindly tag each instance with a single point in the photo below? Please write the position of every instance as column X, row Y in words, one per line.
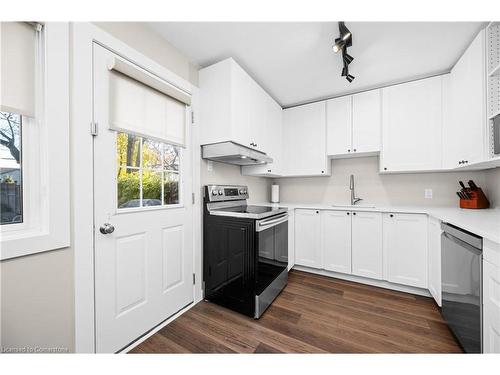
column 233, row 107
column 272, row 139
column 405, row 249
column 434, row 256
column 464, row 140
column 412, row 123
column 336, row 240
column 304, row 144
column 353, row 124
column 367, row 244
column 339, row 125
column 307, row 238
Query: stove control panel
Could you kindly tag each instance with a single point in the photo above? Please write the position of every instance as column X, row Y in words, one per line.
column 218, row 193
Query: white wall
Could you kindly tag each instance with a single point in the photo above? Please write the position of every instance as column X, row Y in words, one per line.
column 225, row 174
column 492, row 187
column 37, row 302
column 374, row 188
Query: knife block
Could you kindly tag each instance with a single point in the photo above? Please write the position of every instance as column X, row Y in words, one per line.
column 477, row 200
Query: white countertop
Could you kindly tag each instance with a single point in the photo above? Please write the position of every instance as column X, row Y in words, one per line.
column 484, row 223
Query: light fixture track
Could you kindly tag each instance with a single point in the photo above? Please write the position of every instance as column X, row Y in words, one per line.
column 341, row 44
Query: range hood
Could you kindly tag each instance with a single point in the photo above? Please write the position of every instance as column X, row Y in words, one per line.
column 233, row 153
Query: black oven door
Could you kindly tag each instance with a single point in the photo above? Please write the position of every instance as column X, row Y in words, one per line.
column 272, row 248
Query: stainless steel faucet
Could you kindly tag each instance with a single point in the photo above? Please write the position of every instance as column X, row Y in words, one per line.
column 354, row 200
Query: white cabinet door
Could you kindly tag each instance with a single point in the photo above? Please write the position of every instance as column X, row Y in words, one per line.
column 339, row 125
column 367, row 244
column 291, row 239
column 412, row 126
column 491, row 306
column 405, row 249
column 336, row 240
column 366, row 122
column 434, row 265
column 307, row 238
column 242, row 105
column 304, row 144
column 464, row 133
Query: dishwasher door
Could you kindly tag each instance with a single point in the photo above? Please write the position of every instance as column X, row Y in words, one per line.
column 461, row 268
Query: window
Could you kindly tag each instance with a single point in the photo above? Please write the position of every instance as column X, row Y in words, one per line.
column 11, row 177
column 147, row 172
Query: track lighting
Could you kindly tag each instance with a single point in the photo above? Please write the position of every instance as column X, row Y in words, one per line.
column 341, row 44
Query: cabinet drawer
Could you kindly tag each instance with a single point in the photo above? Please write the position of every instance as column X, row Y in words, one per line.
column 491, row 308
column 491, row 252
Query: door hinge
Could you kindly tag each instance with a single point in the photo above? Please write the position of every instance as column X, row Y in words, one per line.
column 193, row 198
column 93, row 128
column 192, row 117
column 194, row 278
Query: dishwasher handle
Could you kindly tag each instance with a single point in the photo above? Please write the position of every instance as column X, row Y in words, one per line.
column 463, row 244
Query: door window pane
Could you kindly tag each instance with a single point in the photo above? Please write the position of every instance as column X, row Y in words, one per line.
column 11, row 190
column 147, row 172
column 171, row 188
column 129, row 188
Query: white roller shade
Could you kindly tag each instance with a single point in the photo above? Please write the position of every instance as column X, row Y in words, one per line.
column 17, row 73
column 138, row 108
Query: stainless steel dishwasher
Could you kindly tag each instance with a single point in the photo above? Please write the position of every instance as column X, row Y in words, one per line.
column 461, row 273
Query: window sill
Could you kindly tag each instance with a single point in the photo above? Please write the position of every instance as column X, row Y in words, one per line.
column 27, row 242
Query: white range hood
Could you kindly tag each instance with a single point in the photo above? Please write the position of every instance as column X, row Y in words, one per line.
column 233, row 153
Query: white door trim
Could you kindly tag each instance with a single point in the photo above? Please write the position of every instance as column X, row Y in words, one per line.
column 83, row 35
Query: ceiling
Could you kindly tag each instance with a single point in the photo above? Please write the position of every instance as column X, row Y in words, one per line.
column 294, row 61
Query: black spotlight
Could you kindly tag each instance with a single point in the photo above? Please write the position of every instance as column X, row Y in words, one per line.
column 347, row 58
column 341, row 44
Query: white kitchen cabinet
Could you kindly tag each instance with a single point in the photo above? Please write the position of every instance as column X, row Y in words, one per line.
column 353, row 124
column 367, row 244
column 233, row 107
column 491, row 308
column 272, row 142
column 304, row 141
column 464, row 140
column 336, row 240
column 307, row 238
column 412, row 122
column 339, row 125
column 366, row 118
column 291, row 239
column 405, row 249
column 434, row 264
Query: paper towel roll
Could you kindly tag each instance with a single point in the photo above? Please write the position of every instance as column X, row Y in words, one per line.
column 275, row 194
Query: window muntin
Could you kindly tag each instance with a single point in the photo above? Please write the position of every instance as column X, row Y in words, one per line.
column 11, row 171
column 148, row 172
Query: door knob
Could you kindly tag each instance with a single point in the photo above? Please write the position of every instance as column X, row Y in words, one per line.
column 107, row 228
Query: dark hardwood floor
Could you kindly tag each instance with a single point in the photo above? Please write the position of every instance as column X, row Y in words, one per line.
column 314, row 314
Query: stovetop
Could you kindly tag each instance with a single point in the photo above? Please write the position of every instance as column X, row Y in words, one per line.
column 247, row 211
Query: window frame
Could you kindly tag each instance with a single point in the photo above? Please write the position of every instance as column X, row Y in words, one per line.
column 162, row 170
column 45, row 160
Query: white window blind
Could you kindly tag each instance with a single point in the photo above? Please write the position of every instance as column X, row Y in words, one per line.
column 138, row 106
column 17, row 73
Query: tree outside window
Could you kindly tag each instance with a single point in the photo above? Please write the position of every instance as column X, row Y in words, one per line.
column 11, row 210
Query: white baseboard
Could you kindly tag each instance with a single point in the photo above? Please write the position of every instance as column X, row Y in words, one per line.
column 365, row 280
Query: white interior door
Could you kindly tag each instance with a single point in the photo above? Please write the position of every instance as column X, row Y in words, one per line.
column 144, row 267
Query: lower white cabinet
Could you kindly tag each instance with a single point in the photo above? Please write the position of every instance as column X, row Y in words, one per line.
column 307, row 238
column 367, row 244
column 336, row 240
column 405, row 249
column 434, row 264
column 491, row 308
column 291, row 239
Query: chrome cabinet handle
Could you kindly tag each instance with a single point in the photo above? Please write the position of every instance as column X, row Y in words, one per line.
column 107, row 228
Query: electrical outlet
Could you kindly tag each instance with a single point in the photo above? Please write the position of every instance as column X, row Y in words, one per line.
column 428, row 193
column 210, row 165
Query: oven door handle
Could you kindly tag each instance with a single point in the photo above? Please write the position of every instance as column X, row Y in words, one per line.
column 269, row 223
